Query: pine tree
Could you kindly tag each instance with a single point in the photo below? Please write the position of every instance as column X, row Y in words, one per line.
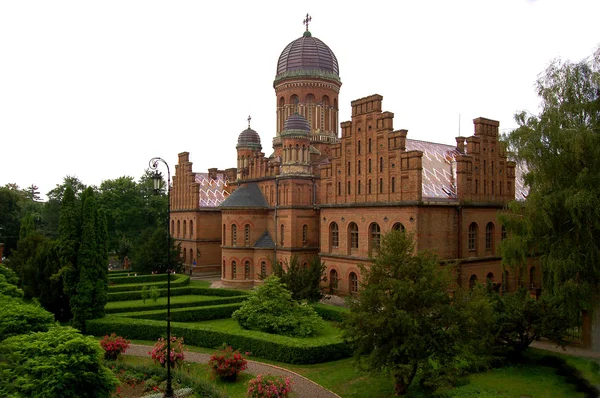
column 68, row 237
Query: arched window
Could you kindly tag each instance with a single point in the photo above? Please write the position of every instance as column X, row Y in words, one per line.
column 353, row 283
column 304, row 235
column 263, row 269
column 358, row 146
column 246, row 235
column 358, row 187
column 348, row 168
column 375, row 236
column 380, row 164
column 305, row 265
column 348, row 187
column 233, row 270
column 532, row 283
column 359, row 167
column 281, row 231
column 489, row 236
column 172, row 227
column 490, row 277
column 472, row 281
column 398, row 227
column 334, row 235
column 353, row 235
column 369, row 186
column 393, row 184
column 472, row 241
column 233, row 235
column 184, row 228
column 369, row 145
column 191, row 229
column 191, row 256
column 381, row 185
column 369, row 166
column 247, row 270
column 333, row 281
column 339, row 188
column 178, row 228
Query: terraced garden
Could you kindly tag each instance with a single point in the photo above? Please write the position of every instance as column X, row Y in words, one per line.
column 203, row 317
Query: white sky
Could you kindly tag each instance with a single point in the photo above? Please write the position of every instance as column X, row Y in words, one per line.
column 97, row 88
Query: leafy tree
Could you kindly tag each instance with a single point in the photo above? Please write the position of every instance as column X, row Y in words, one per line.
column 303, row 282
column 151, row 254
column 560, row 219
column 519, row 319
column 272, row 309
column 402, row 319
column 57, row 363
column 145, row 293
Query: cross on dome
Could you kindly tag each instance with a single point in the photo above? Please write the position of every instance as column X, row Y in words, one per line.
column 307, row 20
column 249, row 118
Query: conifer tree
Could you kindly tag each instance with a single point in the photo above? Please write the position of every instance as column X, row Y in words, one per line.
column 68, row 237
column 82, row 303
column 101, row 288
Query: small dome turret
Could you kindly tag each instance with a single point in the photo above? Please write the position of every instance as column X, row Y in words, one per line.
column 249, row 138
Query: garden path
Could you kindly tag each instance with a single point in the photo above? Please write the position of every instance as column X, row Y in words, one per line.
column 569, row 350
column 302, row 386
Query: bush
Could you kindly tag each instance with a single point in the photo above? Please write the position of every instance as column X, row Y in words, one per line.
column 154, row 293
column 17, row 317
column 154, row 307
column 268, row 386
column 113, row 346
column 303, row 282
column 273, row 347
column 193, row 314
column 160, row 350
column 178, row 281
column 145, row 293
column 7, row 287
column 124, row 279
column 331, row 312
column 134, row 294
column 227, row 364
column 57, row 363
column 271, row 309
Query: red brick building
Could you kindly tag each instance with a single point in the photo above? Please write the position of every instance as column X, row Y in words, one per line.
column 322, row 193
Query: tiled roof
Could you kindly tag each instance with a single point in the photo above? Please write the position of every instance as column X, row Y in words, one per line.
column 248, row 195
column 265, row 241
column 439, row 170
column 212, row 192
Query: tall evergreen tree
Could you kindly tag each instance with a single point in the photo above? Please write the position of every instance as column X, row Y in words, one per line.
column 101, row 290
column 68, row 238
column 82, row 303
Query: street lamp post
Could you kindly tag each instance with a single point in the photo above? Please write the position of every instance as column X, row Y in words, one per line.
column 157, row 179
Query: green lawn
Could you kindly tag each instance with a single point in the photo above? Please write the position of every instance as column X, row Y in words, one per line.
column 196, row 283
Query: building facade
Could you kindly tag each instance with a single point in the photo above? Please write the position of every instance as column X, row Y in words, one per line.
column 331, row 195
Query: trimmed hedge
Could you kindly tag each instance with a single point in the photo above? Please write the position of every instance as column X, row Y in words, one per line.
column 121, row 280
column 154, row 307
column 193, row 314
column 179, row 291
column 330, row 312
column 263, row 345
column 180, row 280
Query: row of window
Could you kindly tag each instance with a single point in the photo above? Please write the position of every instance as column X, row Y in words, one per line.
column 492, row 186
column 352, row 235
column 506, row 286
column 334, row 282
column 369, row 187
column 473, row 236
column 186, row 233
column 184, row 255
column 233, row 236
column 369, row 149
column 359, row 166
column 234, row 274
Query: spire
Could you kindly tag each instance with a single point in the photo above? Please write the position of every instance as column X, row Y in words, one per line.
column 249, row 118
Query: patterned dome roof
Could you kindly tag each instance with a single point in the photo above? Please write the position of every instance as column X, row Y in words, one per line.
column 248, row 138
column 307, row 53
column 296, row 122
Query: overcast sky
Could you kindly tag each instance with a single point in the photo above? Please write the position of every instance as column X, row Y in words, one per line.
column 96, row 89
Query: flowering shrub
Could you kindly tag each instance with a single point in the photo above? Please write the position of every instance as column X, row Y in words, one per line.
column 227, row 364
column 268, row 386
column 114, row 346
column 159, row 352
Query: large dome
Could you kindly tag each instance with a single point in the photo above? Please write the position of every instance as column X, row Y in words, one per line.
column 307, row 53
column 248, row 139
